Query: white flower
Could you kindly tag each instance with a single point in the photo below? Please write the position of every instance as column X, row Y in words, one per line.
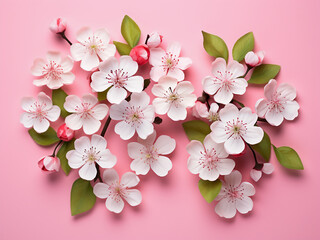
column 39, row 112
column 115, row 191
column 200, row 110
column 154, row 40
column 254, row 59
column 173, row 98
column 87, row 153
column 234, row 196
column 86, row 113
column 267, row 168
column 135, row 115
column 148, row 154
column 92, row 48
column 209, row 159
column 118, row 76
column 279, row 103
column 226, row 80
column 234, row 127
column 53, row 72
column 168, row 63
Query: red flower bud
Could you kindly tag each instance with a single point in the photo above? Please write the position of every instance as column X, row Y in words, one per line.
column 49, row 164
column 140, row 54
column 64, row 133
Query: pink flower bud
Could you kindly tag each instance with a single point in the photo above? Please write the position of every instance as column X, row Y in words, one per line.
column 140, row 54
column 254, row 59
column 64, row 133
column 200, row 110
column 154, row 40
column 49, row 164
column 58, row 25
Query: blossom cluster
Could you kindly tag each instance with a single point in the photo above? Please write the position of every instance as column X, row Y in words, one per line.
column 121, row 98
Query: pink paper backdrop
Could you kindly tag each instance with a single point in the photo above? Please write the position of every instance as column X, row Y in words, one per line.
column 286, row 204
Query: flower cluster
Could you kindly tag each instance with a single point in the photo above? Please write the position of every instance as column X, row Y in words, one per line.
column 228, row 127
column 119, row 86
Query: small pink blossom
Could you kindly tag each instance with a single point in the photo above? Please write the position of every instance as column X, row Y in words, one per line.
column 154, row 40
column 254, row 59
column 140, row 54
column 58, row 25
column 64, row 133
column 49, row 164
column 267, row 168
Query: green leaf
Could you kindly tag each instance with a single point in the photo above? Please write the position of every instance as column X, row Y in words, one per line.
column 288, row 157
column 263, row 147
column 82, row 197
column 242, row 46
column 215, row 46
column 123, row 49
column 66, row 147
column 58, row 98
column 196, row 129
column 103, row 95
column 44, row 139
column 209, row 190
column 130, row 31
column 263, row 73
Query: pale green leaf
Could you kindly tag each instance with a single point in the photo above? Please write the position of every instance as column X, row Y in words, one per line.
column 196, row 129
column 58, row 98
column 130, row 31
column 66, row 147
column 44, row 139
column 82, row 197
column 263, row 147
column 123, row 49
column 215, row 46
column 263, row 73
column 242, row 46
column 288, row 157
column 209, row 189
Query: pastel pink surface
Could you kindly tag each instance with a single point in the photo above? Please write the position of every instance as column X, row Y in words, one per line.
column 286, row 204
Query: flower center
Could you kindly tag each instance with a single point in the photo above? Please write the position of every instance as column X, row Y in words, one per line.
column 169, row 61
column 91, row 155
column 236, row 127
column 276, row 105
column 94, row 44
column 52, row 71
column 133, row 115
column 234, row 193
column 208, row 159
column 213, row 117
column 117, row 77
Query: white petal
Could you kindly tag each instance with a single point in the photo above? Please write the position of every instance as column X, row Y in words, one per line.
column 40, row 82
column 117, row 110
column 210, row 85
column 54, row 84
column 174, row 48
column 27, row 119
column 125, row 130
column 129, row 180
column 261, row 107
column 133, row 197
column 161, row 166
column 72, row 103
column 233, row 179
column 223, row 95
column 176, row 73
column 286, row 91
column 101, row 190
column 115, row 204
column 103, row 34
column 165, row 144
column 88, row 171
column 219, row 68
column 140, row 99
column 214, row 107
column 194, row 148
column 110, row 176
column 78, row 51
column 75, row 159
column 98, row 142
column 184, row 63
column 107, row 51
column 290, row 111
column 148, row 113
column 157, row 72
column 67, row 78
column 247, row 116
column 67, row 64
column 40, row 126
column 184, row 88
column 193, row 165
column 239, row 86
column 208, row 174
column 218, row 133
column 145, row 129
column 236, row 69
column 177, row 112
column 27, row 103
column 83, row 34
column 148, row 142
column 225, row 166
column 229, row 113
column 135, row 150
column 90, row 125
column 90, row 99
column 82, row 143
column 106, row 160
column 270, row 89
column 274, row 117
column 253, row 135
column 156, row 55
column 99, row 82
column 248, row 189
column 140, row 166
column 135, row 84
column 255, row 175
column 74, row 121
column 128, row 65
column 161, row 105
column 226, row 208
column 37, row 67
column 54, row 56
column 53, row 114
column 244, row 205
column 234, row 145
column 268, row 168
column 116, row 94
column 89, row 61
column 45, row 101
column 100, row 111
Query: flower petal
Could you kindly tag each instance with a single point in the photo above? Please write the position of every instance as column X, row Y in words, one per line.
column 27, row 119
column 115, row 204
column 156, row 55
column 37, row 67
column 67, row 78
column 234, row 145
column 109, row 50
column 233, row 179
column 229, row 113
column 128, row 65
column 225, row 166
column 140, row 99
column 195, row 148
column 140, row 166
column 99, row 82
column 157, row 72
column 75, row 159
column 244, row 205
column 226, row 208
column 144, row 129
column 53, row 114
column 101, row 190
column 223, row 95
column 89, row 61
column 268, row 168
column 129, row 179
column 165, row 144
column 41, row 125
column 133, row 197
column 239, row 86
column 88, row 171
column 255, row 175
column 54, row 57
column 135, row 84
column 290, row 110
column 274, row 117
column 253, row 135
column 90, row 125
column 110, row 176
column 100, row 111
column 177, row 112
column 219, row 68
column 116, row 94
column 218, row 133
column 286, row 91
column 161, row 166
column 82, row 143
column 106, row 160
column 78, row 51
column 184, row 63
column 270, row 89
column 176, row 73
column 261, row 107
column 74, row 121
column 125, row 130
column 161, row 105
column 135, row 150
column 210, row 85
column 99, row 142
column 174, row 48
column 67, row 64
column 72, row 103
column 117, row 111
column 247, row 116
column 236, row 69
column 83, row 34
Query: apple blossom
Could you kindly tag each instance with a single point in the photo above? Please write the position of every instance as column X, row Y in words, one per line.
column 136, row 116
column 154, row 40
column 140, row 54
column 168, row 63
column 118, row 76
column 279, row 103
column 58, row 25
column 64, row 133
column 209, row 160
column 235, row 127
column 49, row 164
column 53, row 72
column 86, row 113
column 173, row 98
column 115, row 191
column 226, row 80
column 267, row 168
column 200, row 110
column 148, row 154
column 92, row 47
column 39, row 112
column 254, row 59
column 234, row 196
column 88, row 152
